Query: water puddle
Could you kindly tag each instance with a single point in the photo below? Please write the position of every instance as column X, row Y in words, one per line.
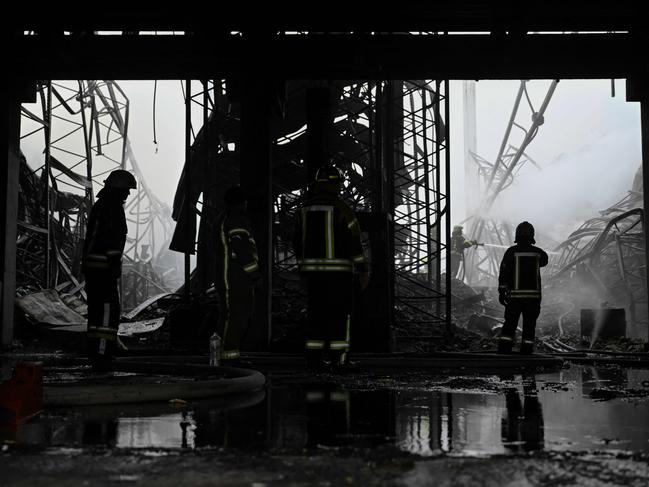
column 580, row 408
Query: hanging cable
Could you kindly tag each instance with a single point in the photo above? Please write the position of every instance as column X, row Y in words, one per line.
column 529, row 102
column 155, row 138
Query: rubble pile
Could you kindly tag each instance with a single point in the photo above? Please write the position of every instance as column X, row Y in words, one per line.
column 52, row 221
column 601, row 265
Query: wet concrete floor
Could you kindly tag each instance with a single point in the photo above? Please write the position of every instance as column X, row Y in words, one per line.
column 578, row 408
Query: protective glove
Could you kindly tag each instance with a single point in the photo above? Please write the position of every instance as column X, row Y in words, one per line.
column 502, row 299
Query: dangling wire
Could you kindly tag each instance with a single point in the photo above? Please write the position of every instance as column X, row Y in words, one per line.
column 155, row 138
column 529, row 102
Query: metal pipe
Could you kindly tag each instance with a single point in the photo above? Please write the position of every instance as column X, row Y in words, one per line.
column 87, row 142
column 387, row 139
column 206, row 211
column 438, row 197
column 429, row 250
column 416, row 168
column 447, row 169
column 188, row 187
column 528, row 138
column 48, row 209
column 510, row 124
column 644, row 124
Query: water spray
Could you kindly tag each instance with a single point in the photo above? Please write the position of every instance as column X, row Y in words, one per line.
column 496, row 246
column 493, row 245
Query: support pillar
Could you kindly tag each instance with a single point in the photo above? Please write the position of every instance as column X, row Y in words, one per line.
column 10, row 99
column 637, row 89
column 319, row 127
column 257, row 98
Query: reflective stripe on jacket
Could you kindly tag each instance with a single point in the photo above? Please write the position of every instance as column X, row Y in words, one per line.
column 236, row 248
column 327, row 236
column 520, row 275
column 105, row 234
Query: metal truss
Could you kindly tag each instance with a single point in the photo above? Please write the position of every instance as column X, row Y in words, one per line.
column 84, row 125
column 197, row 181
column 356, row 120
column 421, row 225
column 212, row 134
column 481, row 265
column 604, row 258
column 392, row 143
column 354, row 150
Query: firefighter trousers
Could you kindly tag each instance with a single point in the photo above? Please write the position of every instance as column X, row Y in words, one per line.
column 103, row 314
column 530, row 309
column 329, row 315
column 236, row 303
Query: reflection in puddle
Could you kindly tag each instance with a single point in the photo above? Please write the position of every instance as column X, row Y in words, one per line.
column 556, row 411
column 167, row 431
column 471, row 424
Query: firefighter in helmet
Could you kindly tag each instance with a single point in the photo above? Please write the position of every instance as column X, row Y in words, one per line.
column 328, row 248
column 458, row 244
column 102, row 265
column 519, row 288
column 237, row 274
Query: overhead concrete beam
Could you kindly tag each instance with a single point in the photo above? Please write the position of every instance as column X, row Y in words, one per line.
column 329, row 56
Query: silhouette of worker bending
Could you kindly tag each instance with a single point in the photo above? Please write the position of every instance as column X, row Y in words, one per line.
column 519, row 288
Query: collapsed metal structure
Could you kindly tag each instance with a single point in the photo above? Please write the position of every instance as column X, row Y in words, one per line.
column 469, row 40
column 391, row 139
column 414, row 189
column 84, row 130
column 602, row 262
column 481, row 266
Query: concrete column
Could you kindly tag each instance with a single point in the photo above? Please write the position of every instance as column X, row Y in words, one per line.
column 637, row 89
column 257, row 98
column 9, row 170
column 319, row 127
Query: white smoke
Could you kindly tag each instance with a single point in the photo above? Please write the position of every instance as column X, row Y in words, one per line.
column 589, row 149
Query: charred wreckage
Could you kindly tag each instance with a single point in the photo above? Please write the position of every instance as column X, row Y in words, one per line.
column 391, row 140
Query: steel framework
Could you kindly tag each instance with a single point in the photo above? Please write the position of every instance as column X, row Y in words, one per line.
column 392, row 142
column 604, row 260
column 421, row 182
column 84, row 125
column 481, row 265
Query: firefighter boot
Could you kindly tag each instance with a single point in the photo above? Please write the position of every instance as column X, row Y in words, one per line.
column 341, row 363
column 505, row 344
column 101, row 359
column 527, row 347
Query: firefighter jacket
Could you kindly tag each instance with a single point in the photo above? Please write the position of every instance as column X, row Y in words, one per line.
column 237, row 259
column 327, row 236
column 520, row 275
column 105, row 235
column 459, row 243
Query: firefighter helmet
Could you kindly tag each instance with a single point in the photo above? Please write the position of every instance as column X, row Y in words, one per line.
column 524, row 231
column 457, row 229
column 121, row 179
column 329, row 174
